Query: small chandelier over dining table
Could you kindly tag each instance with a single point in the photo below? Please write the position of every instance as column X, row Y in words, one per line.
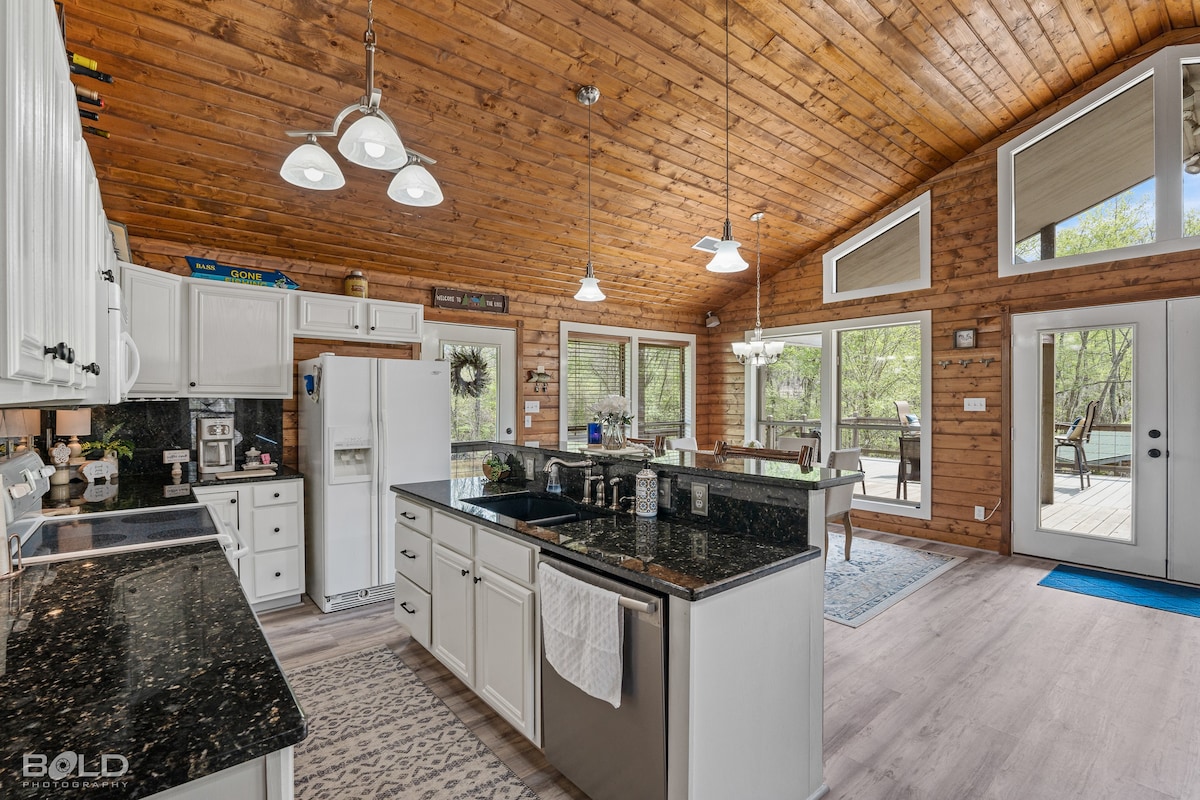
column 372, row 141
column 756, row 352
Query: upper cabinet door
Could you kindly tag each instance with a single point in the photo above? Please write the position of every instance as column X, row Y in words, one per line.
column 241, row 341
column 154, row 302
column 397, row 322
column 328, row 315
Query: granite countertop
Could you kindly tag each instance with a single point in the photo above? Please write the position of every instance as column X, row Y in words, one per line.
column 130, row 491
column 154, row 656
column 675, row 555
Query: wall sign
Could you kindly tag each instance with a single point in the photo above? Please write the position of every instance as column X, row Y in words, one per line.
column 207, row 268
column 472, row 301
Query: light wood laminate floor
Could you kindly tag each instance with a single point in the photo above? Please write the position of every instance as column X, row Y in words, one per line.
column 980, row 686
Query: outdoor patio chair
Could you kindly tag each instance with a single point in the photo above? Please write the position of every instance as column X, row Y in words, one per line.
column 683, row 443
column 910, row 464
column 811, row 439
column 1077, row 435
column 910, row 423
column 838, row 499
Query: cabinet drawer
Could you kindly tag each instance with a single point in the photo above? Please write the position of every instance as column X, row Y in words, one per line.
column 274, row 493
column 504, row 555
column 412, row 609
column 275, row 528
column 276, row 573
column 412, row 556
column 452, row 532
column 414, row 515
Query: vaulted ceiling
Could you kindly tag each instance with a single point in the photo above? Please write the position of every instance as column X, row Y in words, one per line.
column 836, row 107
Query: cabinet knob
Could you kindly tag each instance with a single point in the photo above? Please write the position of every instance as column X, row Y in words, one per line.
column 466, row 572
column 277, row 574
column 277, row 530
column 355, row 327
column 93, row 368
column 192, row 383
column 277, row 494
column 233, row 499
column 372, row 327
column 477, row 580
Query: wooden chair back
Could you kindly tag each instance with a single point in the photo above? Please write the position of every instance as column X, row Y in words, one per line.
column 658, row 443
column 683, row 443
column 803, row 456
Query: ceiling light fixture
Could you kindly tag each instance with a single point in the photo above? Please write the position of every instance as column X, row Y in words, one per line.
column 589, row 289
column 727, row 257
column 756, row 352
column 372, row 141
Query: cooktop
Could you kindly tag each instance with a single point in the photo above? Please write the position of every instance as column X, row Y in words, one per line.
column 68, row 536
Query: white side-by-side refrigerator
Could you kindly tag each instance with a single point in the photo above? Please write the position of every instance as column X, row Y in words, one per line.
column 365, row 424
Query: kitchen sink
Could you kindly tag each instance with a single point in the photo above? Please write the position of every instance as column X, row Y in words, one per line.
column 537, row 509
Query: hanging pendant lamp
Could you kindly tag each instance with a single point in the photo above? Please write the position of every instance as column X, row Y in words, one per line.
column 589, row 289
column 727, row 258
column 372, row 141
column 756, row 352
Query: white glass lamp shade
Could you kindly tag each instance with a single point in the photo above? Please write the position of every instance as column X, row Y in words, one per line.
column 727, row 258
column 372, row 142
column 589, row 287
column 741, row 349
column 415, row 186
column 773, row 349
column 310, row 167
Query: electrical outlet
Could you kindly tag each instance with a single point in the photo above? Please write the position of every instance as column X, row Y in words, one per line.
column 533, row 406
column 700, row 499
column 529, row 468
column 979, row 513
column 528, row 421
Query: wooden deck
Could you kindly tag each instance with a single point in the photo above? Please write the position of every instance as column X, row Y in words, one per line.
column 1103, row 509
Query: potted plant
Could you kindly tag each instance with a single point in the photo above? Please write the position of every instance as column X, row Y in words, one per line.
column 495, row 468
column 112, row 447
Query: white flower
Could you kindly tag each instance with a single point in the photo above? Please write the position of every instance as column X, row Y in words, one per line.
column 612, row 408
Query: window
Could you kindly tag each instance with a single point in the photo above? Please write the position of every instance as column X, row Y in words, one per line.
column 474, row 396
column 843, row 379
column 655, row 370
column 891, row 256
column 1105, row 174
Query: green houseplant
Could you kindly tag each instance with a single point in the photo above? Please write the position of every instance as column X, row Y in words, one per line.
column 112, row 447
column 495, row 468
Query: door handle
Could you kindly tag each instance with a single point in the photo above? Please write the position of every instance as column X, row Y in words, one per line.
column 1155, row 433
column 1154, row 452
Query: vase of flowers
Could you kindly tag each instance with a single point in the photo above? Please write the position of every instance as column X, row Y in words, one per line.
column 612, row 411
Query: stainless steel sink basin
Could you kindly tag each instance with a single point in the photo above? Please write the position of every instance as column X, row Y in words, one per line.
column 536, row 509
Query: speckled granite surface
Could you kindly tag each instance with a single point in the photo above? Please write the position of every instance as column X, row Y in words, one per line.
column 673, row 555
column 154, row 656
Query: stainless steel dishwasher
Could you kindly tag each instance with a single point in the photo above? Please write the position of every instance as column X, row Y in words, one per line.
column 614, row 753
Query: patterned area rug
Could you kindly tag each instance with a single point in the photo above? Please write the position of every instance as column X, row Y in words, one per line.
column 877, row 576
column 375, row 730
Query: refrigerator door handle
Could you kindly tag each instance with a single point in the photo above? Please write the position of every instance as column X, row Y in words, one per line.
column 378, row 468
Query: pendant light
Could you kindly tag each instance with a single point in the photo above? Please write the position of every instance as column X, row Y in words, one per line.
column 727, row 258
column 756, row 352
column 589, row 289
column 372, row 141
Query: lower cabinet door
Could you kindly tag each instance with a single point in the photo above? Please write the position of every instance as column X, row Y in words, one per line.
column 412, row 609
column 505, row 647
column 454, row 612
column 276, row 573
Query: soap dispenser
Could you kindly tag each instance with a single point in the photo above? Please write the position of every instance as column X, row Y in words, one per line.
column 646, row 492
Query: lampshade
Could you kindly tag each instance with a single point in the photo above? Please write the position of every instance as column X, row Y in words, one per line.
column 21, row 421
column 372, row 142
column 73, row 423
column 310, row 167
column 589, row 290
column 415, row 186
column 727, row 258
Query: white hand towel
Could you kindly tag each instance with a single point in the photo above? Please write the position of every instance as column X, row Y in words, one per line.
column 582, row 630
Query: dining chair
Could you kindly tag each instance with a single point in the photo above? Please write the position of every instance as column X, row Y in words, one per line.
column 909, row 422
column 1077, row 435
column 839, row 499
column 657, row 443
column 910, row 464
column 724, row 449
column 683, row 443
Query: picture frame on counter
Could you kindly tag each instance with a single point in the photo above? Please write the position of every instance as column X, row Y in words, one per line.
column 120, row 235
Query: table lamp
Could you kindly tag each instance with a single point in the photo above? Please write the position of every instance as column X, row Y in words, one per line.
column 74, row 424
column 22, row 423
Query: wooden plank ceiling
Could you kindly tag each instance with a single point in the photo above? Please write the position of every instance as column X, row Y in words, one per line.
column 836, row 108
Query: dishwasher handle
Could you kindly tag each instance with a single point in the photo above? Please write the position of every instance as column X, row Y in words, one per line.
column 637, row 605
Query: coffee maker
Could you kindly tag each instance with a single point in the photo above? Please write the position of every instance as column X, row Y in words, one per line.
column 214, row 445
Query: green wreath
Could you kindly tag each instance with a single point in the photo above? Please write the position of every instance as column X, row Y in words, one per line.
column 468, row 372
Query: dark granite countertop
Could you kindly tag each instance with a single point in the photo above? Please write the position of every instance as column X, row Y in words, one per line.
column 129, row 491
column 675, row 555
column 154, row 656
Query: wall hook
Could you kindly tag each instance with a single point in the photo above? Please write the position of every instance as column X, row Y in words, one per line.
column 943, row 364
column 986, row 361
column 965, row 361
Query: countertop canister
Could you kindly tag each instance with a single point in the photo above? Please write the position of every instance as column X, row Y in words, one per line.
column 355, row 284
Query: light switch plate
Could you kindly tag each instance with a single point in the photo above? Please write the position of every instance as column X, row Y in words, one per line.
column 533, row 406
column 974, row 404
column 528, row 421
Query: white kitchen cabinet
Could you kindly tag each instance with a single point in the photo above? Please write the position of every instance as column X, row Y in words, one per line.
column 52, row 247
column 338, row 317
column 269, row 518
column 468, row 594
column 153, row 300
column 240, row 340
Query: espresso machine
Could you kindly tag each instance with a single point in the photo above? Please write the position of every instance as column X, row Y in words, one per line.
column 214, row 445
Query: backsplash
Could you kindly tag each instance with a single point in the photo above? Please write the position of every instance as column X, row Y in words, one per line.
column 156, row 425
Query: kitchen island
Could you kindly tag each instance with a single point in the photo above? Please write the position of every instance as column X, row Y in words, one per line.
column 140, row 674
column 744, row 590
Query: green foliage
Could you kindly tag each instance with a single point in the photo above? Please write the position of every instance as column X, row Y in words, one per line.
column 123, row 448
column 473, row 417
column 1094, row 364
column 1119, row 222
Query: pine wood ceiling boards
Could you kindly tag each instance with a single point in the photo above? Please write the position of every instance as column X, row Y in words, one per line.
column 838, row 107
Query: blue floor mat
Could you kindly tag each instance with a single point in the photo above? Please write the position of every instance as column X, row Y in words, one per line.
column 1138, row 591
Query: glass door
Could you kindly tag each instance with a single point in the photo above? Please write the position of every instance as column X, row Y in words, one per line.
column 1089, row 439
column 483, row 379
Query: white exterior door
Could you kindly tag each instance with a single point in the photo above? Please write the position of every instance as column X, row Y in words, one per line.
column 1109, row 509
column 491, row 415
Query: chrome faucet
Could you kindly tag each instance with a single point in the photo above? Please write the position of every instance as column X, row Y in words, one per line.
column 615, row 483
column 551, row 470
column 587, row 485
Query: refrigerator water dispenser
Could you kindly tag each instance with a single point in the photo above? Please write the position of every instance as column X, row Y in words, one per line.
column 349, row 454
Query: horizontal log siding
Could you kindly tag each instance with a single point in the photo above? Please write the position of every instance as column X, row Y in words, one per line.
column 971, row 457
